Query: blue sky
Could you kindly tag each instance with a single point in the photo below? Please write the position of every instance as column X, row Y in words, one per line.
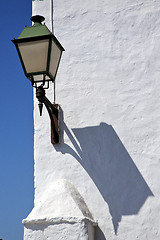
column 16, row 124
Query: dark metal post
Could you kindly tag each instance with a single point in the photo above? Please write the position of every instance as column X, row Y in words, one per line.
column 52, row 111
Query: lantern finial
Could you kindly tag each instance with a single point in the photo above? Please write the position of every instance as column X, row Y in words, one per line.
column 37, row 18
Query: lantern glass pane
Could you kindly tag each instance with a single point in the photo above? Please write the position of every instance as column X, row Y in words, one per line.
column 55, row 58
column 34, row 55
column 39, row 78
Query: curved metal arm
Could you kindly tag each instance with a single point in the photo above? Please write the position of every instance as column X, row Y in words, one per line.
column 52, row 111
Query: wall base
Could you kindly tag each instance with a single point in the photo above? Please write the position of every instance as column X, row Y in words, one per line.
column 71, row 228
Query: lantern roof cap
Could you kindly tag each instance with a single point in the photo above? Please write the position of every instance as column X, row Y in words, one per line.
column 38, row 29
column 37, row 18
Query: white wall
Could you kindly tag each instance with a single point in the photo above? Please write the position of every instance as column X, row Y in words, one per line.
column 108, row 89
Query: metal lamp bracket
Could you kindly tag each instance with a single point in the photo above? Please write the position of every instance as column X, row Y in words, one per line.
column 53, row 110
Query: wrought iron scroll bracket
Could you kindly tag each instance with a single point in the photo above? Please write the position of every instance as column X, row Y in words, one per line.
column 53, row 110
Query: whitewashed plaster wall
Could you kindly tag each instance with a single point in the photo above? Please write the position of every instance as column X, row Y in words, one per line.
column 108, row 88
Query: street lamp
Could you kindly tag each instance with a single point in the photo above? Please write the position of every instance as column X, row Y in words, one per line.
column 40, row 53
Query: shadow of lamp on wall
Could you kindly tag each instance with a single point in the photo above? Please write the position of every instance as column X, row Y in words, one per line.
column 106, row 160
column 40, row 53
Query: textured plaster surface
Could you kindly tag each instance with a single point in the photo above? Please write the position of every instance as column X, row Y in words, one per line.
column 63, row 231
column 108, row 89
